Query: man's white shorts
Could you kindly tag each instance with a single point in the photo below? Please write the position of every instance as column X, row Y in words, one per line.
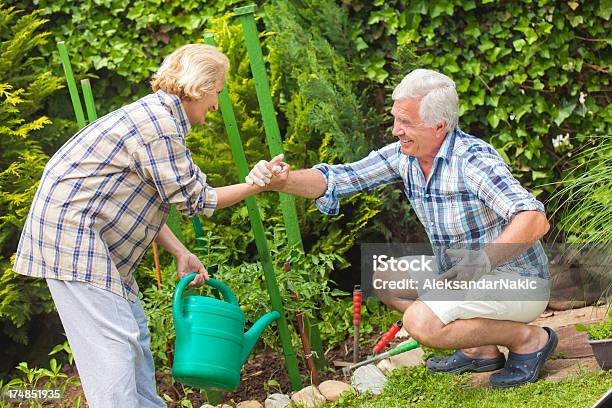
column 483, row 304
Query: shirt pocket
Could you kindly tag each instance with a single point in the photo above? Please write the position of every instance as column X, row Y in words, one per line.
column 449, row 214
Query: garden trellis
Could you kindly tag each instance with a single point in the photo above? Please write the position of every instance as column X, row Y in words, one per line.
column 255, row 55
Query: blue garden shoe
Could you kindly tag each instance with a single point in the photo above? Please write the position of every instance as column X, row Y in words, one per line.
column 523, row 368
column 459, row 363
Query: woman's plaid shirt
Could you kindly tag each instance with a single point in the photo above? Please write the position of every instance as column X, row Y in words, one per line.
column 468, row 200
column 105, row 195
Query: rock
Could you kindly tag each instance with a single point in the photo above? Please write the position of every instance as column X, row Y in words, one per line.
column 309, row 397
column 277, row 401
column 385, row 366
column 331, row 389
column 223, row 406
column 369, row 378
column 408, row 359
column 207, row 406
column 401, row 334
column 250, row 404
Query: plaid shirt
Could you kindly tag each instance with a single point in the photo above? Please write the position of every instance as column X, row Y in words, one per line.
column 468, row 200
column 105, row 195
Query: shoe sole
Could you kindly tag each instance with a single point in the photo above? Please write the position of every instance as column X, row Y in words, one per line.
column 468, row 369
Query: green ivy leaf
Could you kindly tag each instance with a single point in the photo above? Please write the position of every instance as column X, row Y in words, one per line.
column 519, row 44
column 564, row 113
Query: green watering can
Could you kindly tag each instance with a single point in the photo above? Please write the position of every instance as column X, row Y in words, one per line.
column 211, row 345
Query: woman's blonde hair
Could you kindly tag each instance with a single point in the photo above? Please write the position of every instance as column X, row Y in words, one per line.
column 191, row 72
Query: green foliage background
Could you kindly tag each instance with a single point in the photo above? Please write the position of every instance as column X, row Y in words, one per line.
column 533, row 79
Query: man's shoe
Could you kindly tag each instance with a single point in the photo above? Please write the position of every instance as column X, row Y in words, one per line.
column 523, row 368
column 459, row 363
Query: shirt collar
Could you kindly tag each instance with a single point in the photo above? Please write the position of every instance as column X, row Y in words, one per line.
column 446, row 148
column 176, row 109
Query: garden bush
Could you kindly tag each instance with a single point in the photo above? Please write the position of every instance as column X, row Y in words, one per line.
column 27, row 138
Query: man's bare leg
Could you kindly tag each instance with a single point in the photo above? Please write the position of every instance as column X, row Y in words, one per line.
column 402, row 300
column 470, row 334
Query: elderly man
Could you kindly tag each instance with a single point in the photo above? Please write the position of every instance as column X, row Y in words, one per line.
column 463, row 193
column 103, row 198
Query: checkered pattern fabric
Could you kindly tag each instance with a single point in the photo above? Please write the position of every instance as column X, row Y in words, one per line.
column 468, row 200
column 105, row 195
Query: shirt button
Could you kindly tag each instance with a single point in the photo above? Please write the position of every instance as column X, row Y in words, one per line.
column 426, row 195
column 431, row 223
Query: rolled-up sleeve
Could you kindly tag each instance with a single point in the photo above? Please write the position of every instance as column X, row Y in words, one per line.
column 489, row 177
column 166, row 163
column 378, row 168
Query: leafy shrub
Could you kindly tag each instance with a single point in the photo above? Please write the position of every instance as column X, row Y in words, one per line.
column 24, row 137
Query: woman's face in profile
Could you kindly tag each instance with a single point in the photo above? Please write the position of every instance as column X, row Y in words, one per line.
column 197, row 109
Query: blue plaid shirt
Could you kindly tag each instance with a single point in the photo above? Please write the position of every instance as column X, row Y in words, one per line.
column 105, row 195
column 468, row 200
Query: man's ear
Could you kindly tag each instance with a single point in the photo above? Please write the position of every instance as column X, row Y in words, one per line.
column 441, row 129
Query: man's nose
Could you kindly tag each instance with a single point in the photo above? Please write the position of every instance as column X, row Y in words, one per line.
column 397, row 130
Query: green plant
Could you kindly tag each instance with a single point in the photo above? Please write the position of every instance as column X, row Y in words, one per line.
column 46, row 378
column 599, row 331
column 271, row 386
column 586, row 192
column 63, row 347
column 24, row 136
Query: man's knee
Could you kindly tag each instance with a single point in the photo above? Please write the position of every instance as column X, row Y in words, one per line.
column 421, row 323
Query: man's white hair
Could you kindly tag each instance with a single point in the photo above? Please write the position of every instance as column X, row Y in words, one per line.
column 437, row 93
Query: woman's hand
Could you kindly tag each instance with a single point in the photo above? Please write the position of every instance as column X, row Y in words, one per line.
column 271, row 175
column 186, row 263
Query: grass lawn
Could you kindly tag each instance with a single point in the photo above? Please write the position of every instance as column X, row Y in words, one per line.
column 417, row 387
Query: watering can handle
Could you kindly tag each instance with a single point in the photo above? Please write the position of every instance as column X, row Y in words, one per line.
column 177, row 308
column 228, row 295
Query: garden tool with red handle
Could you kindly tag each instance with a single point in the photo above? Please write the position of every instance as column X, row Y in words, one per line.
column 357, row 299
column 411, row 345
column 387, row 337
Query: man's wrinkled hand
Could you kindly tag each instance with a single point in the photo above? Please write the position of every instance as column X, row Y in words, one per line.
column 472, row 265
column 270, row 174
column 187, row 263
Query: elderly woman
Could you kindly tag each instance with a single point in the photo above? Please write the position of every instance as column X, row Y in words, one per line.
column 103, row 198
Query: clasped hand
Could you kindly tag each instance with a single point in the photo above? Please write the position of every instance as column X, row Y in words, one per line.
column 269, row 174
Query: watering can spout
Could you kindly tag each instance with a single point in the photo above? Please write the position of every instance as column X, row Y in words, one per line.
column 251, row 337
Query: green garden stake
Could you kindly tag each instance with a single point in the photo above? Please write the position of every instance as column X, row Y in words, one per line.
column 258, row 68
column 72, row 88
column 268, row 113
column 89, row 101
column 231, row 127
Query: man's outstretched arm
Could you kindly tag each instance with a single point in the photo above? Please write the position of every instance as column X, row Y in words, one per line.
column 329, row 183
column 307, row 183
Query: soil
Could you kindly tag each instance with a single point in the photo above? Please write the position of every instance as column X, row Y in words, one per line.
column 269, row 364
